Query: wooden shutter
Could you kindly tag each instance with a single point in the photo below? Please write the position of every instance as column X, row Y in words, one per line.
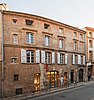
column 53, row 57
column 23, row 56
column 37, row 56
column 42, row 56
column 79, row 59
column 84, row 60
column 66, row 58
column 58, row 58
column 73, row 59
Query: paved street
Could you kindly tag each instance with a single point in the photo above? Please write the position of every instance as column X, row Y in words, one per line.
column 85, row 92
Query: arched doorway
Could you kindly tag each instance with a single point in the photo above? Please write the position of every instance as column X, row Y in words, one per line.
column 81, row 75
column 53, row 78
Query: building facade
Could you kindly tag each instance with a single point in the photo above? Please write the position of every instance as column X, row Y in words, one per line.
column 90, row 52
column 34, row 48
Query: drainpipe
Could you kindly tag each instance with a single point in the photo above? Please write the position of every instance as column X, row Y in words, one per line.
column 85, row 57
column 2, row 84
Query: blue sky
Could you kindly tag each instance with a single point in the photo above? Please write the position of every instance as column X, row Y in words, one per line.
column 73, row 12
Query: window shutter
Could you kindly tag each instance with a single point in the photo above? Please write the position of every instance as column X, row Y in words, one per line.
column 53, row 57
column 66, row 58
column 37, row 56
column 23, row 56
column 84, row 60
column 60, row 43
column 42, row 56
column 58, row 58
column 79, row 59
column 73, row 59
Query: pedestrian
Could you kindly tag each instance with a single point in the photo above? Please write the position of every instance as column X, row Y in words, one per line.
column 61, row 81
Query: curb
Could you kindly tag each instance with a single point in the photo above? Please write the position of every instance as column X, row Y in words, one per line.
column 50, row 92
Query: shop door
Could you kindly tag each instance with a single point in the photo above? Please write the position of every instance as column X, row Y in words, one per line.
column 53, row 78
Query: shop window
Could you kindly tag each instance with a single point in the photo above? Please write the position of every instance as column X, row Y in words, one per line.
column 37, row 81
column 18, row 91
column 16, row 77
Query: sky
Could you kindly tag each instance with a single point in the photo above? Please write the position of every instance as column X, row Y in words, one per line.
column 77, row 13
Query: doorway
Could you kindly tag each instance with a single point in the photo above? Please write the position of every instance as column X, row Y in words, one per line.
column 72, row 76
column 81, row 75
column 53, row 78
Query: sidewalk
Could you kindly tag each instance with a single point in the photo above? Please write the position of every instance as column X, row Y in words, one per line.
column 40, row 93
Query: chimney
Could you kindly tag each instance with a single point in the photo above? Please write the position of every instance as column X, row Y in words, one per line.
column 4, row 6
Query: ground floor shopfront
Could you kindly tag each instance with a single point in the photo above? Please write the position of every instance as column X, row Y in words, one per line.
column 18, row 81
column 53, row 75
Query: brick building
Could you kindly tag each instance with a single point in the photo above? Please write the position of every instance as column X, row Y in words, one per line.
column 90, row 52
column 34, row 48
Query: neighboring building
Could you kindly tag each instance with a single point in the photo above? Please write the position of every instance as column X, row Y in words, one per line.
column 90, row 51
column 35, row 48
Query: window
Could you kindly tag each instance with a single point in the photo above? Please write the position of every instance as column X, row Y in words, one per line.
column 90, row 43
column 29, row 38
column 18, row 91
column 16, row 77
column 61, row 30
column 46, row 26
column 81, row 36
column 29, row 22
column 75, row 45
column 14, row 21
column 30, row 56
column 76, row 59
column 47, row 41
column 90, row 34
column 81, row 45
column 14, row 60
column 61, row 43
column 61, row 58
column 90, row 55
column 75, row 34
column 15, row 38
column 48, row 57
column 81, row 59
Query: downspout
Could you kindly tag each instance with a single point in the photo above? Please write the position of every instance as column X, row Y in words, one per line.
column 85, row 56
column 2, row 87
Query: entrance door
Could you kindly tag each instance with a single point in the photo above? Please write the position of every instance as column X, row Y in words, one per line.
column 81, row 75
column 53, row 78
column 89, row 73
column 72, row 76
